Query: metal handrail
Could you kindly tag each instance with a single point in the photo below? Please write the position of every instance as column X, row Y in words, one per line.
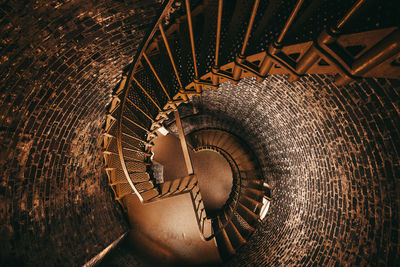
column 237, row 184
column 125, row 92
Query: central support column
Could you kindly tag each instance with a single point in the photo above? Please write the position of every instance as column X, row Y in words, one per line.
column 185, row 149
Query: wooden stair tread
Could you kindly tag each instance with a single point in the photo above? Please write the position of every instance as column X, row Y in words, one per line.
column 241, row 225
column 224, row 244
column 247, row 214
column 233, row 233
column 250, row 203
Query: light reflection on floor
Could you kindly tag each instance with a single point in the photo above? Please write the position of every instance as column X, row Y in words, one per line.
column 166, row 232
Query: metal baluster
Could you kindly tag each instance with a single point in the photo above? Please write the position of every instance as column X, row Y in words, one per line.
column 237, row 71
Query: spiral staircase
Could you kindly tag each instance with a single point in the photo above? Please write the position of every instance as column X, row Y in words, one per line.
column 236, row 221
column 197, row 45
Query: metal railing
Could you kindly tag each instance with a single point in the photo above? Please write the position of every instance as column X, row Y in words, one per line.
column 138, row 122
column 234, row 196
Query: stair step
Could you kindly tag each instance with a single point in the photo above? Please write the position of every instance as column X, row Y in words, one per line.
column 225, row 247
column 178, row 185
column 197, row 140
column 131, row 142
column 117, row 179
column 112, row 161
column 170, row 187
column 123, row 189
column 139, row 177
column 165, row 187
column 246, row 165
column 242, row 157
column 215, row 136
column 209, row 138
column 134, row 166
column 252, row 183
column 112, row 128
column 143, row 186
column 116, row 176
column 233, row 145
column 135, row 155
column 233, row 233
column 150, row 194
column 244, row 228
column 247, row 214
column 203, row 139
column 192, row 182
column 224, row 139
column 130, row 163
column 250, row 203
column 112, row 146
column 250, row 174
column 186, row 182
column 229, row 144
column 253, row 193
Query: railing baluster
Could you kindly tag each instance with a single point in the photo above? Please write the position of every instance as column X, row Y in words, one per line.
column 312, row 55
column 181, row 89
column 144, row 113
column 277, row 45
column 166, row 7
column 237, row 71
column 348, row 15
column 184, row 146
column 189, row 19
column 289, row 22
column 170, row 54
column 135, row 123
column 215, row 78
column 147, row 94
column 202, row 226
column 156, row 75
column 138, row 151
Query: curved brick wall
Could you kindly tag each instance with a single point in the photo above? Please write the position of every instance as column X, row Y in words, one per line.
column 331, row 155
column 59, row 62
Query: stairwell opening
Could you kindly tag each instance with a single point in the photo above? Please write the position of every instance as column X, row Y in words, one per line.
column 215, row 179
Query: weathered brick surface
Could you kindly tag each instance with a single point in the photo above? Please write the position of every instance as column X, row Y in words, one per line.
column 60, row 61
column 331, row 155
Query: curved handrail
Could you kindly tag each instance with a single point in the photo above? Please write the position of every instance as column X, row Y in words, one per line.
column 232, row 199
column 134, row 65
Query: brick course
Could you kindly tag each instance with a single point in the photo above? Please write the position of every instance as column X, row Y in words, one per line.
column 331, row 156
column 60, row 61
column 330, row 153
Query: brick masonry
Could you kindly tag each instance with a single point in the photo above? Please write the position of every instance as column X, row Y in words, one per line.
column 331, row 155
column 59, row 63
